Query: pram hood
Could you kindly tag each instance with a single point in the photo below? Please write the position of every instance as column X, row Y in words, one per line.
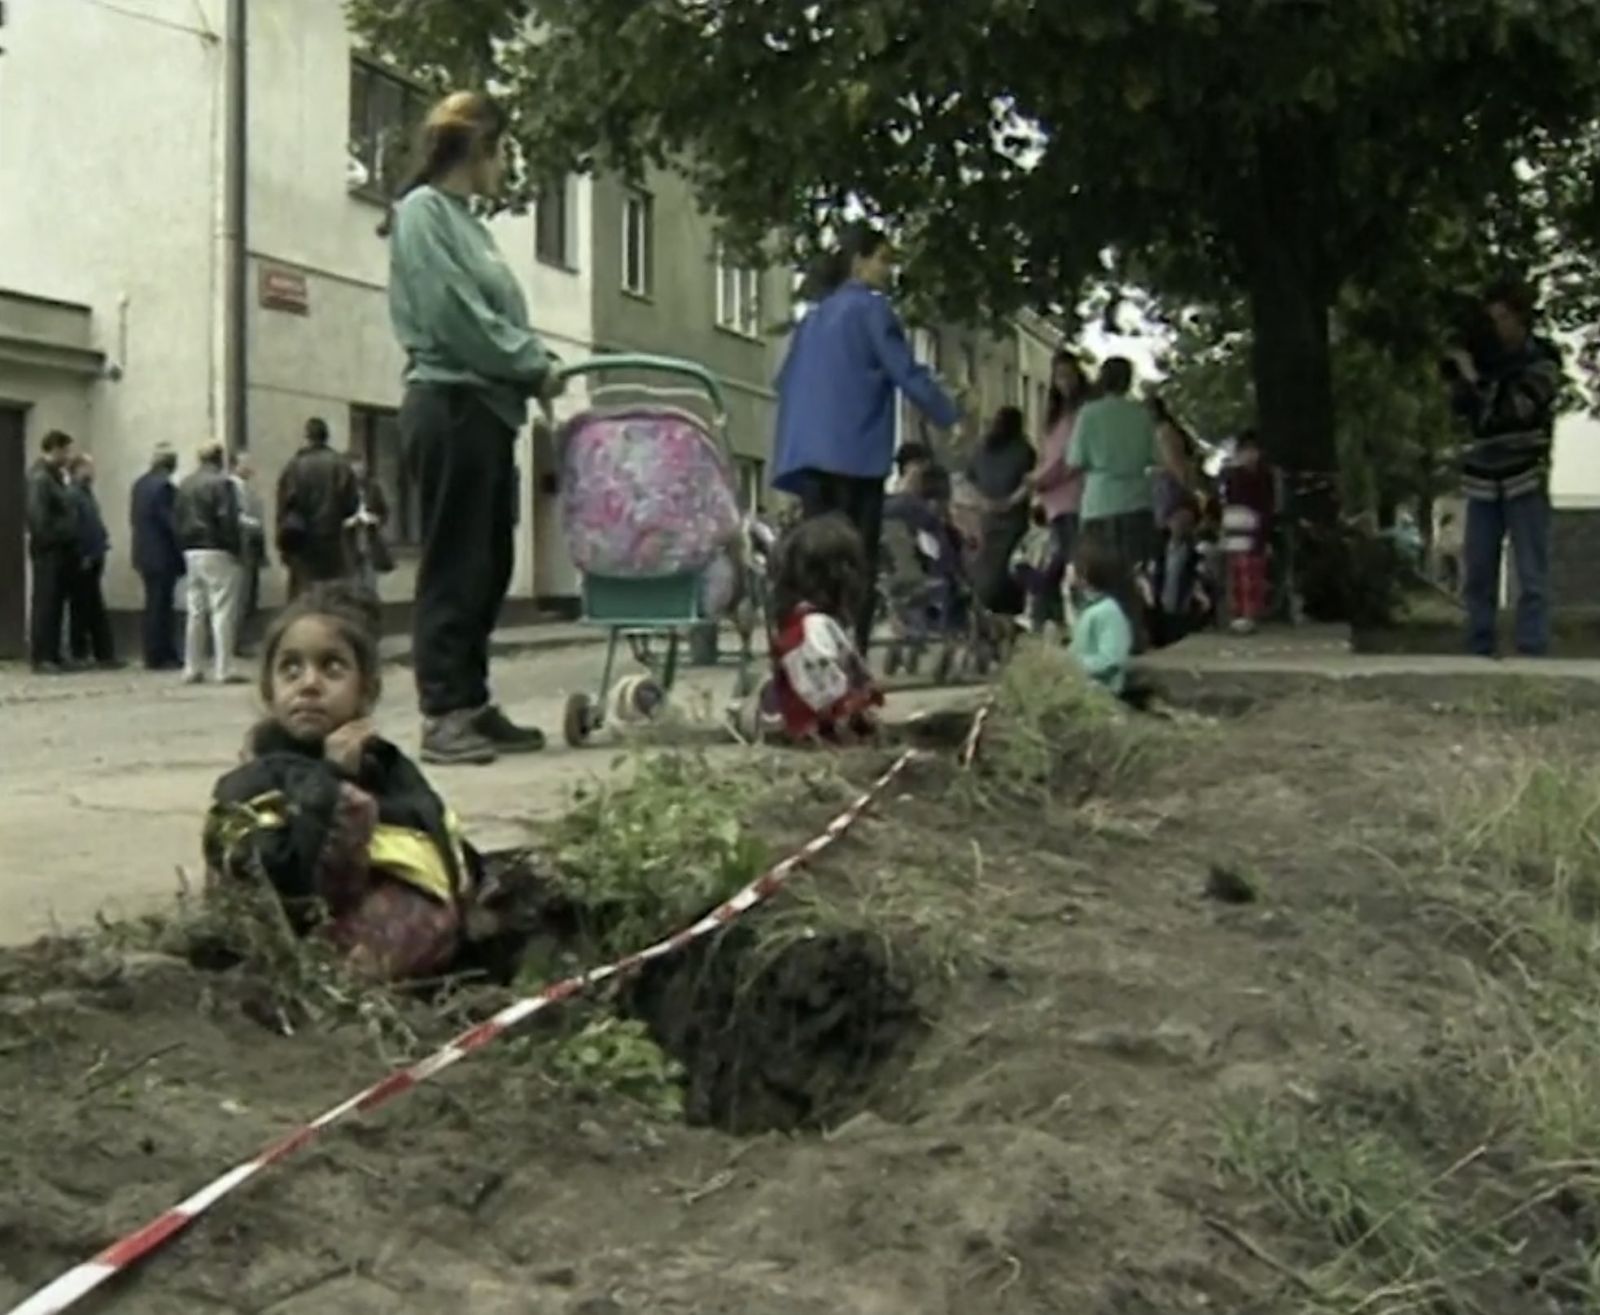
column 645, row 491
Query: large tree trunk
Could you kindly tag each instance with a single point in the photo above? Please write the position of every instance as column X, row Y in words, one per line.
column 1292, row 363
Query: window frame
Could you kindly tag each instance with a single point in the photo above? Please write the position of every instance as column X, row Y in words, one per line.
column 740, row 296
column 567, row 259
column 383, row 165
column 637, row 202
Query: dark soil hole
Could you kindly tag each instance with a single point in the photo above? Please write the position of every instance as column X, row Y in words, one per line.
column 787, row 1037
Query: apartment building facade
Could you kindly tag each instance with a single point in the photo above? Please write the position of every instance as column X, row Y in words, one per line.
column 140, row 303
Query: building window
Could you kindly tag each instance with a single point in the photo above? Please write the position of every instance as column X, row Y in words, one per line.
column 752, row 482
column 552, row 224
column 738, row 297
column 375, row 438
column 638, row 243
column 386, row 115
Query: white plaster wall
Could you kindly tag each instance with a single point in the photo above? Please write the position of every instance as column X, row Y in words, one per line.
column 109, row 189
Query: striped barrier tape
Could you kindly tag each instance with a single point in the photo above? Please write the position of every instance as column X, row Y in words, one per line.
column 969, row 749
column 130, row 1250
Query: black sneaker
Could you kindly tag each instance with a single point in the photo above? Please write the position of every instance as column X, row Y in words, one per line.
column 505, row 734
column 455, row 741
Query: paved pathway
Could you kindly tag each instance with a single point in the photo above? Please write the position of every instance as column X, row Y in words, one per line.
column 103, row 778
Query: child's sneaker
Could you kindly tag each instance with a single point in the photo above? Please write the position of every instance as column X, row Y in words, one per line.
column 1243, row 626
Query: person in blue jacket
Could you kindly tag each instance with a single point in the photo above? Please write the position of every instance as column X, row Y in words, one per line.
column 158, row 557
column 836, row 396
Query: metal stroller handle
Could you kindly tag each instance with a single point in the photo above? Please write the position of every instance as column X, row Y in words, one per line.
column 651, row 364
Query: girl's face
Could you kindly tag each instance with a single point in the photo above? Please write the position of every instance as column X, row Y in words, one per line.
column 316, row 682
column 1069, row 378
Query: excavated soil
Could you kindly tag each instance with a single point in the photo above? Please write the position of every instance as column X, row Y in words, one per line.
column 999, row 1092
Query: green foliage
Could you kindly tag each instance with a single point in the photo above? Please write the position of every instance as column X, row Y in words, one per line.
column 646, row 856
column 619, row 1057
column 1055, row 730
column 1248, row 150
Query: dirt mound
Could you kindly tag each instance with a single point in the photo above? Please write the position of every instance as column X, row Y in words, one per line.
column 1004, row 1049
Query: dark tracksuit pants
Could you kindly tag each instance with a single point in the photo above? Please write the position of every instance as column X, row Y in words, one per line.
column 463, row 459
column 88, row 626
column 860, row 501
column 160, row 630
column 53, row 571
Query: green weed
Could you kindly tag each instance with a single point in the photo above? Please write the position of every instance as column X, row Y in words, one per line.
column 618, row 1057
column 644, row 856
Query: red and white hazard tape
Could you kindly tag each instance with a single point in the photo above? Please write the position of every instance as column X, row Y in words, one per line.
column 969, row 749
column 122, row 1255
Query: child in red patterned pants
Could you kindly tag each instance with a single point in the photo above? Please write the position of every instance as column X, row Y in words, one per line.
column 1249, row 500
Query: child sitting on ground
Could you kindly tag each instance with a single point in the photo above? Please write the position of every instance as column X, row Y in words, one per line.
column 1102, row 639
column 353, row 840
column 822, row 686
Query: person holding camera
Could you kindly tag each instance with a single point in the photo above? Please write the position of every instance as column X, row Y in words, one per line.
column 1506, row 391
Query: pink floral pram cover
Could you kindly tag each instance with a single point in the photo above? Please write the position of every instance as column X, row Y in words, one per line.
column 645, row 492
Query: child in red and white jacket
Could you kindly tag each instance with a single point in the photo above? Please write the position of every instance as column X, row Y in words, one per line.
column 822, row 686
column 1249, row 502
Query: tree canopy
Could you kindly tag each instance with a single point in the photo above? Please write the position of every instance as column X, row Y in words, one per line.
column 1284, row 154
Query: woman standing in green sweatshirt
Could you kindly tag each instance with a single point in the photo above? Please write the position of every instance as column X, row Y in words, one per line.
column 472, row 365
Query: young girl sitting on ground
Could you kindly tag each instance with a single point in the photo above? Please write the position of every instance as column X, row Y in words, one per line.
column 1102, row 639
column 345, row 828
column 822, row 687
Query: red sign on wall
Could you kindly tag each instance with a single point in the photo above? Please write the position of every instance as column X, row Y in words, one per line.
column 284, row 289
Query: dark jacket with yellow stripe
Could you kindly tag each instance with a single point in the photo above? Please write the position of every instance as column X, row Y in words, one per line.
column 319, row 836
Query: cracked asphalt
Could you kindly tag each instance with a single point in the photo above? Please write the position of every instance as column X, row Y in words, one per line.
column 104, row 778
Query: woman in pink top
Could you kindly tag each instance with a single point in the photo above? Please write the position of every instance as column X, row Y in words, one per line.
column 1057, row 488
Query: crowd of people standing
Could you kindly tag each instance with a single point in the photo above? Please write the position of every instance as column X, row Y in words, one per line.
column 199, row 547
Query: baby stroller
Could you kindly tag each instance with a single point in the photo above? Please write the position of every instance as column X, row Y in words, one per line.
column 650, row 508
column 924, row 592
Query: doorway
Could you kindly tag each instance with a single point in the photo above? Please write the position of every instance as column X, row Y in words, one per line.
column 13, row 534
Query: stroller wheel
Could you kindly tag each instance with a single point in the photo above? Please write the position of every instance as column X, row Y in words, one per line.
column 893, row 660
column 578, row 723
column 753, row 713
column 746, row 683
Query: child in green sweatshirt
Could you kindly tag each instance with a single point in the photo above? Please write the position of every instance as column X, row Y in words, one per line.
column 1102, row 639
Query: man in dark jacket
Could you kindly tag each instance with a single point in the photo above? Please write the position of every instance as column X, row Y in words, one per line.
column 158, row 558
column 1508, row 396
column 209, row 528
column 52, row 549
column 318, row 494
column 88, row 627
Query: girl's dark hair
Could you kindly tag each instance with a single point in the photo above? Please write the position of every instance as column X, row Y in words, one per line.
column 1062, row 401
column 832, row 269
column 820, row 562
column 353, row 612
column 1008, row 426
column 1098, row 565
column 465, row 125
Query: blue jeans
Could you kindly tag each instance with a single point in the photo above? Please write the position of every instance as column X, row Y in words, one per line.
column 1526, row 521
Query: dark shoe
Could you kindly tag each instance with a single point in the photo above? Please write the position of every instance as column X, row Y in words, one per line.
column 49, row 669
column 454, row 740
column 111, row 664
column 504, row 734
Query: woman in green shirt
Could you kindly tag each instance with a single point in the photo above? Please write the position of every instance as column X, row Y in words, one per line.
column 472, row 365
column 1115, row 446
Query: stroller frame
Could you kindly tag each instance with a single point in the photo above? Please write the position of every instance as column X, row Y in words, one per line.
column 641, row 609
